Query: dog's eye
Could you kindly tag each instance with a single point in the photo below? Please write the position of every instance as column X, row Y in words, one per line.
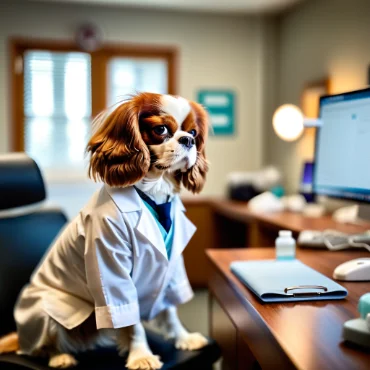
column 192, row 132
column 160, row 130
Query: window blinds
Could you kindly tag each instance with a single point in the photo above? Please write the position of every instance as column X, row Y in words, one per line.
column 57, row 108
column 129, row 76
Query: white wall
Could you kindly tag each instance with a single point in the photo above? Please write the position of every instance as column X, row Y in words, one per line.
column 318, row 39
column 214, row 51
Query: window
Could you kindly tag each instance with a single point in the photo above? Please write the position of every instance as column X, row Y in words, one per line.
column 57, row 108
column 129, row 76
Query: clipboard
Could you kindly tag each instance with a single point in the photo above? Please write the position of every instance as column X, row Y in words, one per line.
column 286, row 281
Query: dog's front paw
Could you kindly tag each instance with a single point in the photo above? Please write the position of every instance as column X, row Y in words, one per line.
column 191, row 341
column 143, row 360
column 62, row 361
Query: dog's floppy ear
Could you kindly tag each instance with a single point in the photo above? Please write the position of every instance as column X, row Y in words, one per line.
column 194, row 179
column 119, row 156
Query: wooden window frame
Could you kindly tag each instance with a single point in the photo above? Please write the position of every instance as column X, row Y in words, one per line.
column 99, row 76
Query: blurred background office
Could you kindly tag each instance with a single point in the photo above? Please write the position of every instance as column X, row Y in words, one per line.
column 264, row 52
column 205, row 45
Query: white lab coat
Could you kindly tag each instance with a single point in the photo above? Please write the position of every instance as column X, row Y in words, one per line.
column 112, row 259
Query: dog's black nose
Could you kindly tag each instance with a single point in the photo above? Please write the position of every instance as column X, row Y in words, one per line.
column 187, row 141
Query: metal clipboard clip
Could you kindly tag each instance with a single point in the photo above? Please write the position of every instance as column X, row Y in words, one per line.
column 308, row 294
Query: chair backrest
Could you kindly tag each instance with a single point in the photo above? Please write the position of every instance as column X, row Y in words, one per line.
column 26, row 229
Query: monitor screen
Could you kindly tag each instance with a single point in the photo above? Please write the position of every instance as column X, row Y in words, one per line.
column 342, row 162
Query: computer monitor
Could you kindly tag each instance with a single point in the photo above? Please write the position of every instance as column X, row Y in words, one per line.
column 342, row 160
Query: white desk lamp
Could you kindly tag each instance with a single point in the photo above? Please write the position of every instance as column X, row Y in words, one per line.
column 289, row 122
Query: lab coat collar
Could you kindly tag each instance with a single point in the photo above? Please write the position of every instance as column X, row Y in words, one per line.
column 179, row 203
column 128, row 200
column 183, row 232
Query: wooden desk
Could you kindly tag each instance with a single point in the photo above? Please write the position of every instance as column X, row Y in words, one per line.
column 297, row 335
column 263, row 228
column 223, row 223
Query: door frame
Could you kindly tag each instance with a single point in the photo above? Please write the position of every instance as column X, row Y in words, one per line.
column 99, row 58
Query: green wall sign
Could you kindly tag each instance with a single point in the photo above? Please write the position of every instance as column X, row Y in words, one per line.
column 220, row 105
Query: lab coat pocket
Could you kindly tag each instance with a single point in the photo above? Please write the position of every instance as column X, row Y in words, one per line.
column 68, row 310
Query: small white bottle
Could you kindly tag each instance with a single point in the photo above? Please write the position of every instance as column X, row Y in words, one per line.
column 285, row 246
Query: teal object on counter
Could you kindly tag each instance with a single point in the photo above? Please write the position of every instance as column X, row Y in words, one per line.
column 358, row 330
column 278, row 191
column 364, row 305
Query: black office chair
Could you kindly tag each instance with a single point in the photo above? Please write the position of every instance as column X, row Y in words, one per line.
column 26, row 231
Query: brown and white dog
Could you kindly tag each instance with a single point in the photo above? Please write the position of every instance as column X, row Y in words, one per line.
column 154, row 141
column 157, row 143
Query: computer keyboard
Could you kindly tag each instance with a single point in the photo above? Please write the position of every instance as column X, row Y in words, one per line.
column 333, row 240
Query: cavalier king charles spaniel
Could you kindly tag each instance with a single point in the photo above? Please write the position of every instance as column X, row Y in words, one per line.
column 156, row 143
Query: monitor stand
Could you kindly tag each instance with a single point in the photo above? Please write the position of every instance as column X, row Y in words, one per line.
column 364, row 212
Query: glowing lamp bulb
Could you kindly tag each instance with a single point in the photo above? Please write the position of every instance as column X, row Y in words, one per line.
column 288, row 122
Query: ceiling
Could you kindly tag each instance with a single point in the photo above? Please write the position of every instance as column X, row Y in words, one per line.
column 234, row 6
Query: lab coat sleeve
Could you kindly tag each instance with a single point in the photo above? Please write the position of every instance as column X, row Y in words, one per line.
column 108, row 261
column 179, row 290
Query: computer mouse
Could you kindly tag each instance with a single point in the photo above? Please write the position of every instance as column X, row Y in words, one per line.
column 354, row 270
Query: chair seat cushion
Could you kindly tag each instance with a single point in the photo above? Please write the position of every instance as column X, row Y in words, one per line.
column 108, row 359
